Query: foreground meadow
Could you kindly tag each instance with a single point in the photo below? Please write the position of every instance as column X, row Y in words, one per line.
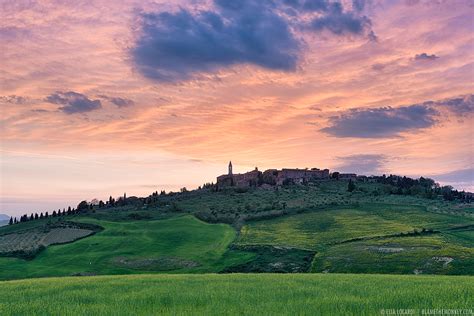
column 243, row 294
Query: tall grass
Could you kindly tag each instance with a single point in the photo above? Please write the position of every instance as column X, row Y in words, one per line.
column 234, row 294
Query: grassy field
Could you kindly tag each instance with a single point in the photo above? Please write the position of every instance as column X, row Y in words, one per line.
column 235, row 294
column 328, row 231
column 316, row 229
column 407, row 255
column 179, row 244
column 324, row 194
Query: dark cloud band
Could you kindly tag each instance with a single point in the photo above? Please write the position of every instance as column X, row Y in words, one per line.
column 390, row 122
column 120, row 102
column 425, row 56
column 368, row 164
column 73, row 102
column 176, row 46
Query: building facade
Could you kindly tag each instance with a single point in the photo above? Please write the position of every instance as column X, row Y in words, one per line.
column 271, row 177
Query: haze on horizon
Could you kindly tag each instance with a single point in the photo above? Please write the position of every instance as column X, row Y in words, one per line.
column 133, row 96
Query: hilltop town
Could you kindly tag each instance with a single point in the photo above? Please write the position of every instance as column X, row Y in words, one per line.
column 291, row 176
column 272, row 177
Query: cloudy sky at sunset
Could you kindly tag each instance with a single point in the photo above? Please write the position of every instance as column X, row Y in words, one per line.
column 103, row 97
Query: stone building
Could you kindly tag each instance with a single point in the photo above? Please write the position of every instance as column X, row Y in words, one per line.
column 248, row 179
column 348, row 176
column 300, row 176
column 271, row 177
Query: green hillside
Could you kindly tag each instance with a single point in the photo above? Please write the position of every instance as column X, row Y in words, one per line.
column 367, row 239
column 313, row 228
column 180, row 244
column 236, row 294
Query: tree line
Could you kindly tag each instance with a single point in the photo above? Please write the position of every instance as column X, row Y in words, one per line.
column 36, row 216
column 423, row 186
column 82, row 207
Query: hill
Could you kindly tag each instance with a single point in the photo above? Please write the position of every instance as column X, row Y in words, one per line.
column 4, row 219
column 319, row 227
column 178, row 244
column 242, row 294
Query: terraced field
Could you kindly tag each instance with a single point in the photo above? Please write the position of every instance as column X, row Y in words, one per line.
column 27, row 243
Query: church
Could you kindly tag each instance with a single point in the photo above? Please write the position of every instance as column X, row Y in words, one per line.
column 248, row 179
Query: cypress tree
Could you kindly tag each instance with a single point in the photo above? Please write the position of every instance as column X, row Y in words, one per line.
column 350, row 186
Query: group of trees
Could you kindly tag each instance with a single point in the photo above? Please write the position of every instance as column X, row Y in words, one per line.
column 36, row 216
column 209, row 186
column 82, row 207
column 422, row 186
column 425, row 187
column 85, row 206
column 351, row 186
column 154, row 197
column 111, row 202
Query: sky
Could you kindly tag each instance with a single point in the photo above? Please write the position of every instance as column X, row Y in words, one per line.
column 103, row 97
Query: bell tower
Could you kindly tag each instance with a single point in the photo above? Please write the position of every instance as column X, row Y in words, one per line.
column 230, row 168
